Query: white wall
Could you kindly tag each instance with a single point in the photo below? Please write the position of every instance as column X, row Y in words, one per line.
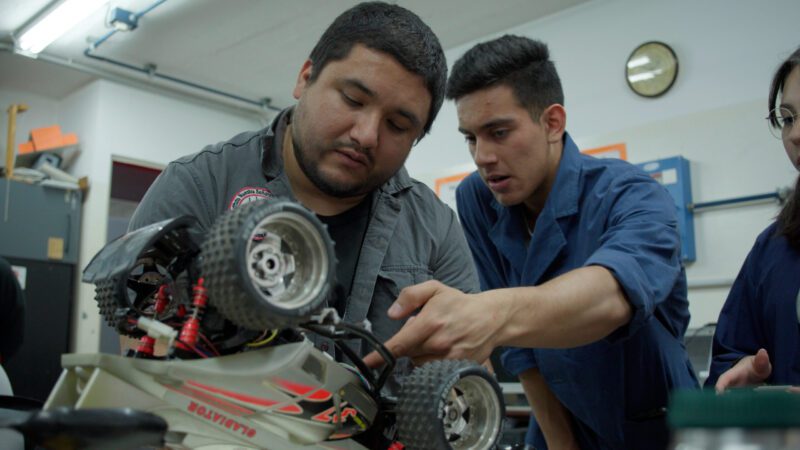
column 713, row 115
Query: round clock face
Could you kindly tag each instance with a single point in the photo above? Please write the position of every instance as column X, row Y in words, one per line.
column 651, row 69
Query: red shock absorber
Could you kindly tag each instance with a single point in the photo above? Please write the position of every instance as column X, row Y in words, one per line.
column 396, row 446
column 145, row 348
column 162, row 299
column 147, row 343
column 191, row 326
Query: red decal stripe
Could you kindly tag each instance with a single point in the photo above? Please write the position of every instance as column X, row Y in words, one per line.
column 211, row 400
column 318, row 394
column 289, row 409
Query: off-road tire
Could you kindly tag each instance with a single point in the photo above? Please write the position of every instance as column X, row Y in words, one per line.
column 423, row 404
column 107, row 301
column 231, row 288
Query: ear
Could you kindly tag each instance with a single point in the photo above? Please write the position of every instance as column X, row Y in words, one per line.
column 302, row 79
column 554, row 119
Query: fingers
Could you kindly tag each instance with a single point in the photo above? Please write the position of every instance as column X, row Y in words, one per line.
column 412, row 298
column 373, row 360
column 735, row 376
column 750, row 370
column 762, row 367
column 723, row 382
column 409, row 338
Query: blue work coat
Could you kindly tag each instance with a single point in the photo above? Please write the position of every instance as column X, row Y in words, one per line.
column 761, row 311
column 611, row 214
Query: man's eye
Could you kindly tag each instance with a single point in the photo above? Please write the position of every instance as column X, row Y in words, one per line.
column 470, row 140
column 501, row 133
column 394, row 126
column 350, row 100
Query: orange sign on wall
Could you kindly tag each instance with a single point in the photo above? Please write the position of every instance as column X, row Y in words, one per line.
column 609, row 151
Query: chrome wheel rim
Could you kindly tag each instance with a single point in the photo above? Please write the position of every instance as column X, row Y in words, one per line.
column 472, row 414
column 287, row 260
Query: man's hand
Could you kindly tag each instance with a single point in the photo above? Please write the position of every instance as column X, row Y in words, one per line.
column 750, row 370
column 450, row 325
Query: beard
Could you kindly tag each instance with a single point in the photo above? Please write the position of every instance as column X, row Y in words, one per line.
column 333, row 188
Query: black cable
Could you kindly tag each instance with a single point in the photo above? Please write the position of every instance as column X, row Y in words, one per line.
column 334, row 332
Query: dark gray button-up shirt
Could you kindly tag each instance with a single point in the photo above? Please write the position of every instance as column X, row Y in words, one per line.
column 411, row 236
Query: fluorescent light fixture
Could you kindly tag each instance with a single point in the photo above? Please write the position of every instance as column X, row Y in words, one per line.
column 55, row 22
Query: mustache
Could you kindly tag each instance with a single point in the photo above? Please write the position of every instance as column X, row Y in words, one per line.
column 355, row 147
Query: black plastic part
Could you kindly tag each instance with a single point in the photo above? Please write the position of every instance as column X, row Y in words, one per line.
column 169, row 249
column 92, row 429
column 119, row 256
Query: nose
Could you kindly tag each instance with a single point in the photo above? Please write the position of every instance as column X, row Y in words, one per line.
column 482, row 154
column 364, row 132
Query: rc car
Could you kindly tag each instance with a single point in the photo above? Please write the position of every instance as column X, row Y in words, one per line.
column 224, row 358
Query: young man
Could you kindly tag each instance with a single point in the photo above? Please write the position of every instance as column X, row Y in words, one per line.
column 578, row 258
column 369, row 90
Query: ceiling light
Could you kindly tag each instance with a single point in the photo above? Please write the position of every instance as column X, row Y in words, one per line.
column 54, row 22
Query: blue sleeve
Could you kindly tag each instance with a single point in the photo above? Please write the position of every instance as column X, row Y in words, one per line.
column 640, row 245
column 474, row 211
column 738, row 333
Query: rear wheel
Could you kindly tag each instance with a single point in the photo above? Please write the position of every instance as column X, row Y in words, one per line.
column 268, row 265
column 450, row 404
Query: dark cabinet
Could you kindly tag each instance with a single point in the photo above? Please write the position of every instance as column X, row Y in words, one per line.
column 39, row 232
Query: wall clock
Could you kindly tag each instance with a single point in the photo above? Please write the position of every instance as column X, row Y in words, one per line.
column 651, row 69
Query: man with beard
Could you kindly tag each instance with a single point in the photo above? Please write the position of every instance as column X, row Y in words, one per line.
column 369, row 90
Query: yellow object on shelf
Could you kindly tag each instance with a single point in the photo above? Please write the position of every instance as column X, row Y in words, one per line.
column 13, row 110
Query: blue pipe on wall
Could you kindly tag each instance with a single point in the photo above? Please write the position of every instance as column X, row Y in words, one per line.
column 777, row 195
column 150, row 71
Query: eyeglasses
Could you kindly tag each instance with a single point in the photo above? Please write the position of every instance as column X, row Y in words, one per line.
column 784, row 119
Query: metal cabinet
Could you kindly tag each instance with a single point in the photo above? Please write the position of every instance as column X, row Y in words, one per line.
column 39, row 232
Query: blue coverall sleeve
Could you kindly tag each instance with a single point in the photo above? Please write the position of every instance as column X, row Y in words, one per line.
column 640, row 246
column 738, row 333
column 474, row 209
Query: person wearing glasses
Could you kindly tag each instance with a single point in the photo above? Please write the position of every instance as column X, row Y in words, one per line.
column 757, row 339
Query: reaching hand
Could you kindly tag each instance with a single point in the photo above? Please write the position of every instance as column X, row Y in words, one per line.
column 450, row 325
column 750, row 370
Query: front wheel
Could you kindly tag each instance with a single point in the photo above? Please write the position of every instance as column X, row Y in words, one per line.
column 268, row 265
column 450, row 404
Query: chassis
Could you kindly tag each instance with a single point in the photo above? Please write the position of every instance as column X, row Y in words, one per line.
column 224, row 360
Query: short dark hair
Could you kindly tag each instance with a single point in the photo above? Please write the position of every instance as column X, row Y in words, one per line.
column 390, row 29
column 789, row 217
column 521, row 63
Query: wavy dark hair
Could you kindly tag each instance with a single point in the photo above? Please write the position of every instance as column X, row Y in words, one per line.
column 393, row 30
column 789, row 217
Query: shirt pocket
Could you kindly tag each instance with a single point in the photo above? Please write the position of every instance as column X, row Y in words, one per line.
column 391, row 280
